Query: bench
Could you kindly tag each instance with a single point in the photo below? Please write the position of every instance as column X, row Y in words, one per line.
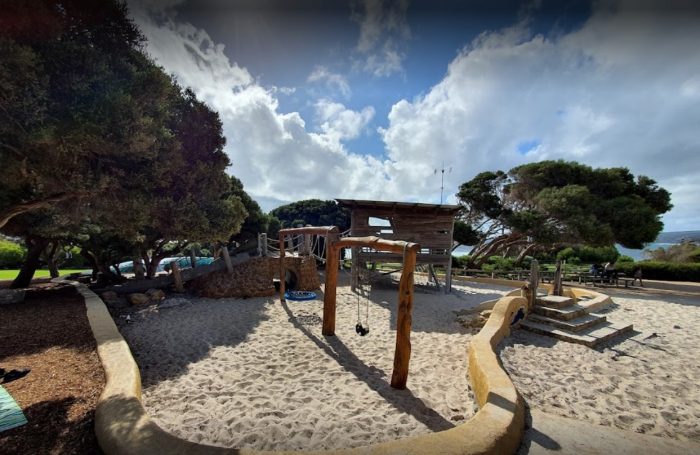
column 627, row 281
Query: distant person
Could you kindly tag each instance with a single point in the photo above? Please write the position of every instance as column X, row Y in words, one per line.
column 595, row 269
column 637, row 276
column 609, row 271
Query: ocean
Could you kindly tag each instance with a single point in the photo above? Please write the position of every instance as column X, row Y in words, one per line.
column 664, row 240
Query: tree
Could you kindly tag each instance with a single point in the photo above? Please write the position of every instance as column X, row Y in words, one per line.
column 314, row 212
column 256, row 221
column 555, row 203
column 97, row 141
column 74, row 92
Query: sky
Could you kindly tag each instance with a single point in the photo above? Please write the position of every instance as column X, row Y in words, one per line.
column 371, row 99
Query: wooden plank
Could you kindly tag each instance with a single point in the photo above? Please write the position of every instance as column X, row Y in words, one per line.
column 376, row 243
column 402, row 353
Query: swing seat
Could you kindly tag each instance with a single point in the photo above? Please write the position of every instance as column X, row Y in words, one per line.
column 299, row 295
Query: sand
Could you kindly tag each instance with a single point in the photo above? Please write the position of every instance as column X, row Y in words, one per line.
column 258, row 374
column 647, row 383
column 254, row 373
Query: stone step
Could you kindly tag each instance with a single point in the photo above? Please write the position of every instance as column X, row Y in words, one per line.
column 554, row 301
column 574, row 325
column 591, row 337
column 563, row 314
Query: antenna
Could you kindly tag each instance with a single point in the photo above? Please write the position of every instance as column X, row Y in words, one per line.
column 442, row 178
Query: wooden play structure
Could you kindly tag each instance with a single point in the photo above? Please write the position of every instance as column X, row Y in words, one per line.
column 407, row 251
column 429, row 225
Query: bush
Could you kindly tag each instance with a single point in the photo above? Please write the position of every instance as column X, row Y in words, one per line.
column 11, row 255
column 624, row 258
column 589, row 254
column 499, row 263
column 658, row 270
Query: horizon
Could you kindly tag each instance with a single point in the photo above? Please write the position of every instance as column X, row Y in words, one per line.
column 350, row 99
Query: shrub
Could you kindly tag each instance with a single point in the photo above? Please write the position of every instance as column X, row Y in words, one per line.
column 659, row 270
column 499, row 263
column 11, row 255
column 589, row 254
column 624, row 258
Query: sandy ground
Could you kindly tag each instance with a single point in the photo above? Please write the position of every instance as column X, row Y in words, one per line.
column 647, row 382
column 258, row 374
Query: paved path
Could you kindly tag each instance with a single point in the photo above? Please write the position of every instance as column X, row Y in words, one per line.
column 550, row 434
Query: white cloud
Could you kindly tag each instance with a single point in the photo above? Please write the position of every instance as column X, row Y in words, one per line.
column 333, row 81
column 383, row 28
column 619, row 91
column 273, row 153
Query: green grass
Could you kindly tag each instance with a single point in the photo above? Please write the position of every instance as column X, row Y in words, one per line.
column 12, row 274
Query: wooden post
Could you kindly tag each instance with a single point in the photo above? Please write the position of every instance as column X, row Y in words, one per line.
column 227, row 258
column 534, row 282
column 557, row 280
column 177, row 276
column 138, row 268
column 283, row 269
column 193, row 258
column 402, row 354
column 329, row 290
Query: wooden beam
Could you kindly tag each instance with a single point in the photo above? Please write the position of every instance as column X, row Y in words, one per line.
column 283, row 268
column 394, row 246
column 402, row 354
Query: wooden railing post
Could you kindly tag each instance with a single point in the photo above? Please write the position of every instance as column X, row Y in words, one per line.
column 177, row 276
column 534, row 282
column 227, row 258
column 283, row 268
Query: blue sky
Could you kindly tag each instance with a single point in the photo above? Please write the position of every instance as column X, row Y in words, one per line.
column 365, row 99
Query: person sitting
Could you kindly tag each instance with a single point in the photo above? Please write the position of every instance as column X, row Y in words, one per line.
column 609, row 272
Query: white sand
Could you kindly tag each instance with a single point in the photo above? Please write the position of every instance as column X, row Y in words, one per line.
column 254, row 373
column 648, row 384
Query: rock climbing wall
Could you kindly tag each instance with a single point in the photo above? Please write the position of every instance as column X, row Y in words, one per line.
column 252, row 278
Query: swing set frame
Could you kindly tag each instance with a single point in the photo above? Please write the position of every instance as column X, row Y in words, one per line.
column 409, row 250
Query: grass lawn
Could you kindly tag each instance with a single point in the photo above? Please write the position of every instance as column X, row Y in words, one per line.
column 12, row 274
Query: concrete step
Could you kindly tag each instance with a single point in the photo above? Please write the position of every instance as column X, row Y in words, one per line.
column 574, row 325
column 590, row 337
column 563, row 314
column 559, row 334
column 554, row 301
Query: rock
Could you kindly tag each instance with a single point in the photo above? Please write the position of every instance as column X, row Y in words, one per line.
column 485, row 314
column 676, row 327
column 110, row 296
column 173, row 302
column 155, row 294
column 138, row 299
column 11, row 296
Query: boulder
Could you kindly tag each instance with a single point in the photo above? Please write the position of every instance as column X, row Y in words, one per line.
column 11, row 296
column 110, row 296
column 138, row 299
column 155, row 295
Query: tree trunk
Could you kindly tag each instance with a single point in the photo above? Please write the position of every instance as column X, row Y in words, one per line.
column 31, row 263
column 92, row 261
column 51, row 259
column 19, row 209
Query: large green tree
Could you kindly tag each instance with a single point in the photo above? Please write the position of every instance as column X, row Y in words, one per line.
column 554, row 203
column 96, row 140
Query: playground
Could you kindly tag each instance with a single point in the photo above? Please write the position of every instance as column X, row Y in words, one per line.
column 256, row 373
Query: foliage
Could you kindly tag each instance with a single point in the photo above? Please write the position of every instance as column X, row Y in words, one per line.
column 550, row 204
column 687, row 251
column 314, row 212
column 99, row 145
column 499, row 263
column 624, row 258
column 11, row 254
column 659, row 270
column 464, row 234
column 255, row 222
column 589, row 254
